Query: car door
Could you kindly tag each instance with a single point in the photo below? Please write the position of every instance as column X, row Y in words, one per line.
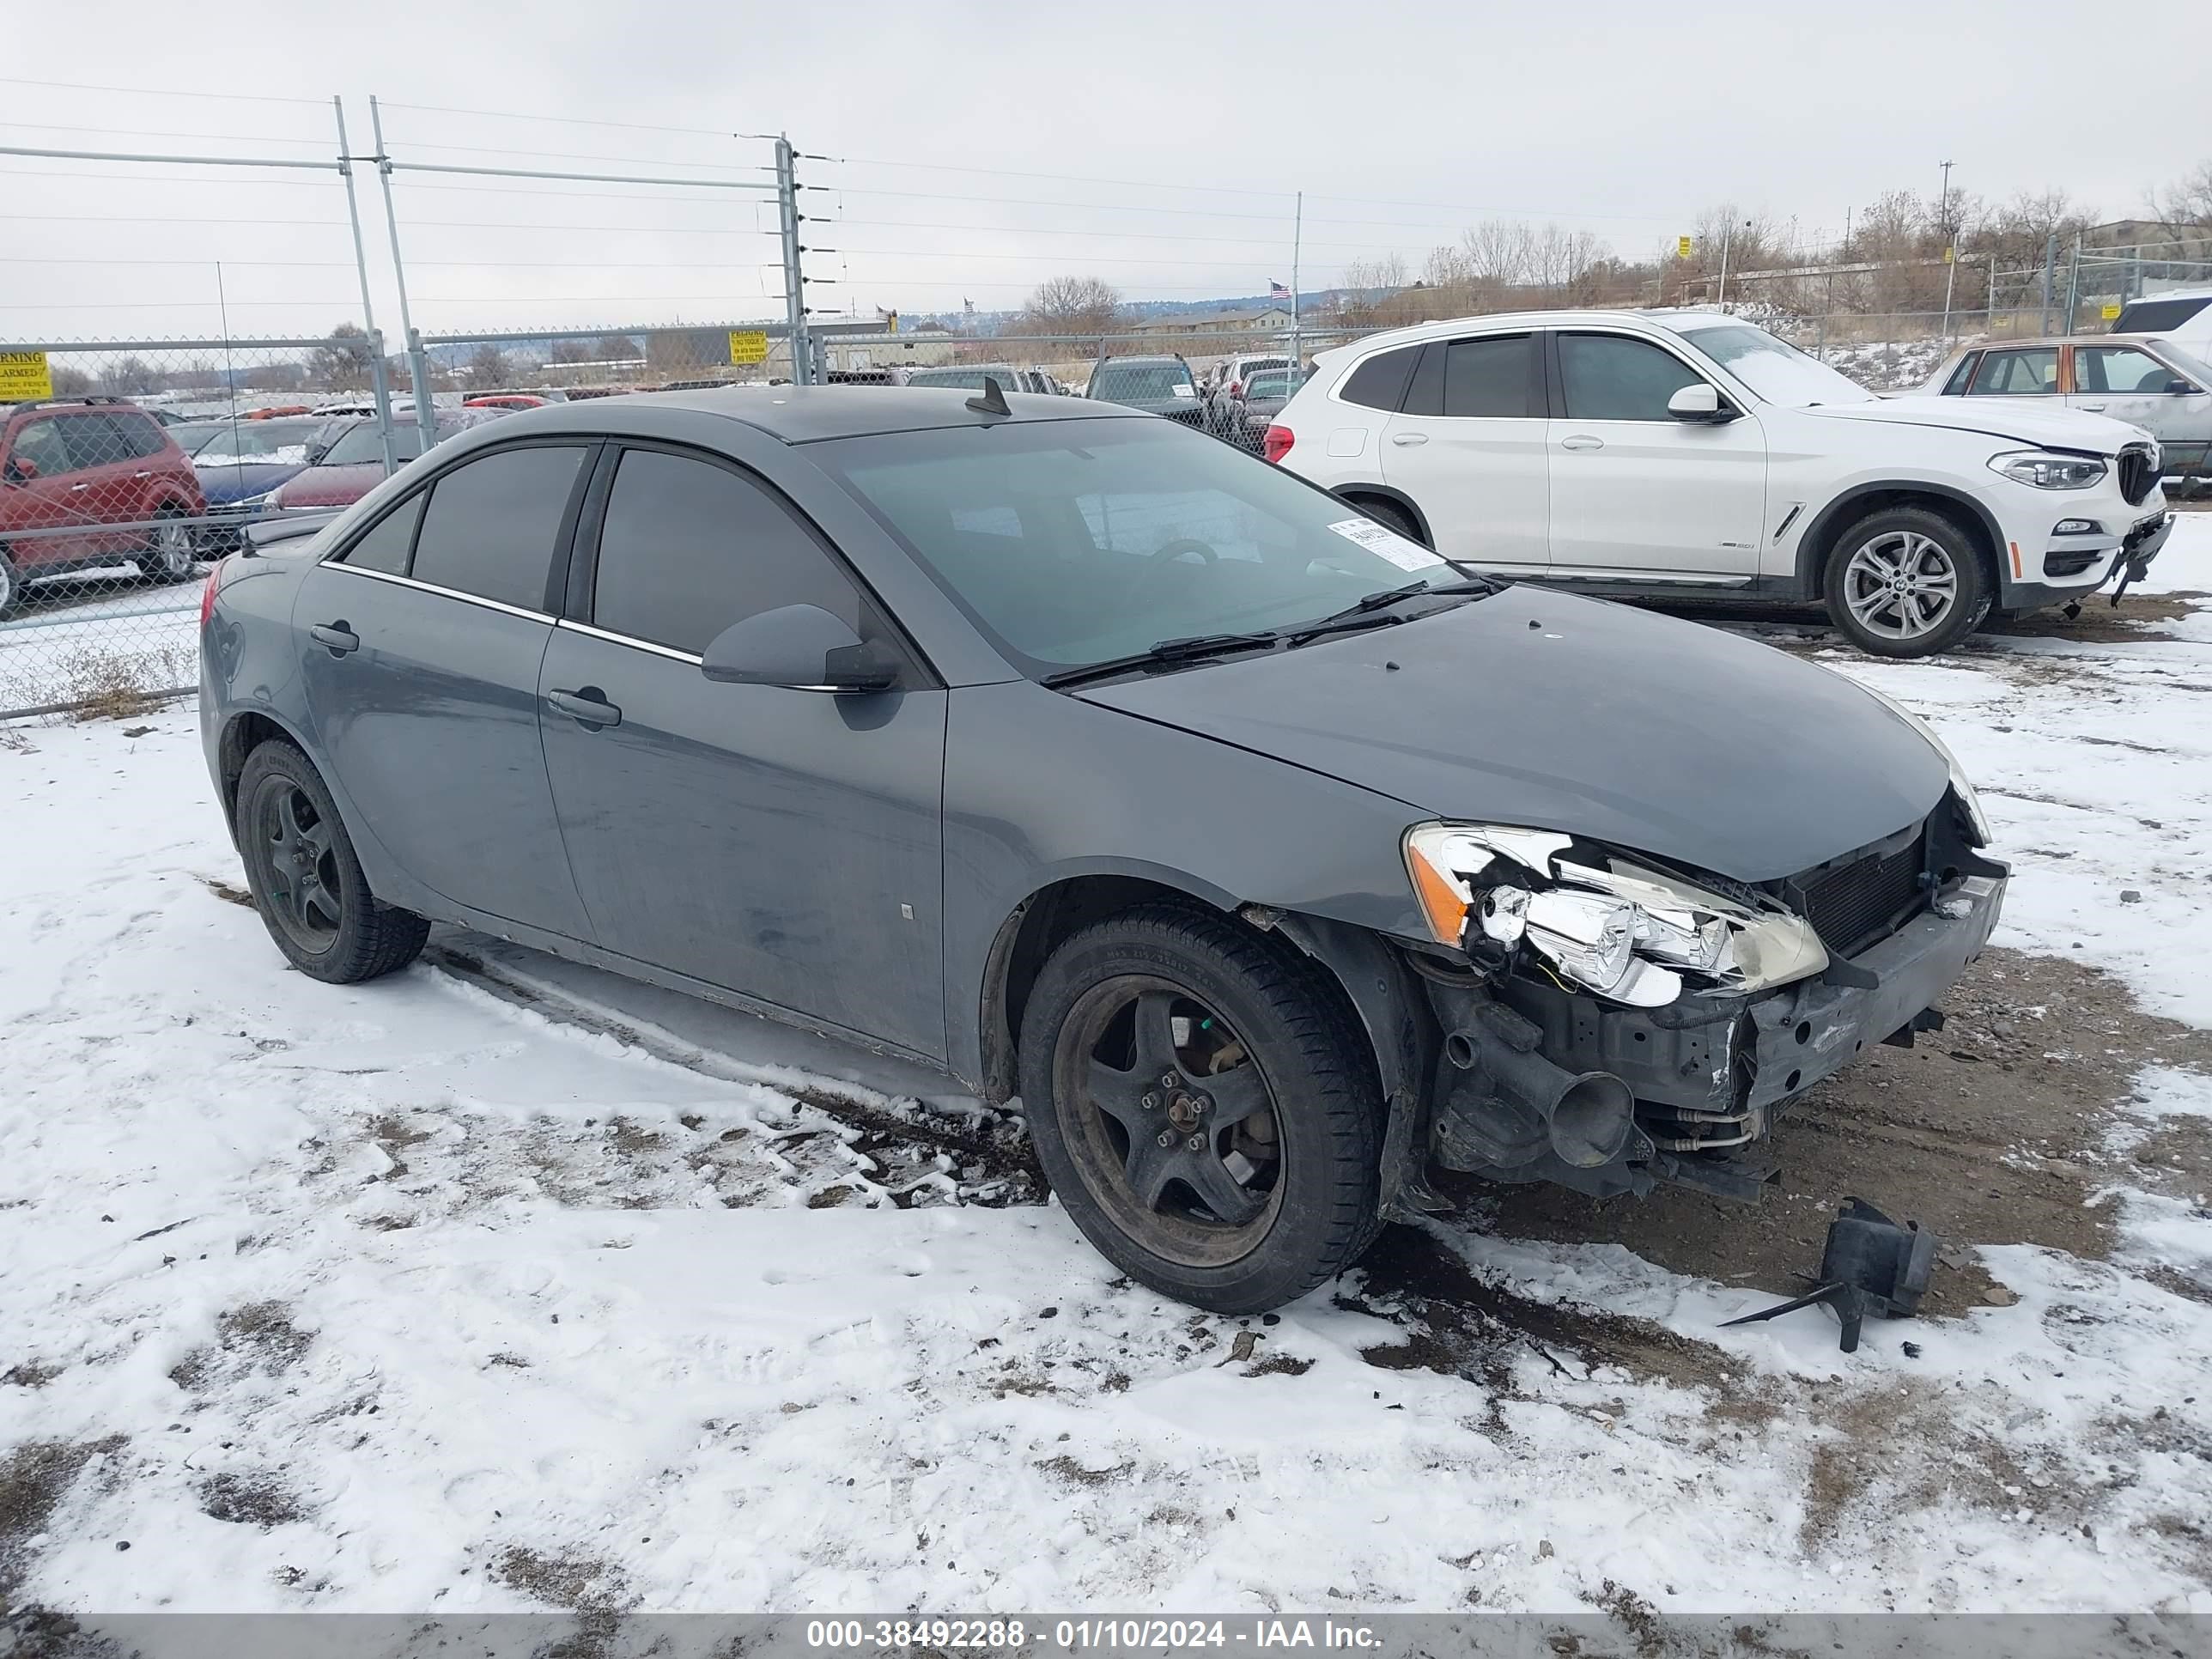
column 45, row 508
column 2127, row 384
column 1636, row 494
column 783, row 844
column 419, row 642
column 108, row 473
column 1467, row 447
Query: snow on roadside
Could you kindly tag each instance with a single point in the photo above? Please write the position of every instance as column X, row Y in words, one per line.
column 406, row 1297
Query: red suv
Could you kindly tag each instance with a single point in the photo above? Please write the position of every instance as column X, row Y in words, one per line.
column 91, row 481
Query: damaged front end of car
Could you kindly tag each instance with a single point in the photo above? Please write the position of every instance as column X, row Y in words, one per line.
column 1607, row 1021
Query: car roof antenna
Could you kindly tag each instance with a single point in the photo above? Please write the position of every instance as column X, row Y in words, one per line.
column 992, row 399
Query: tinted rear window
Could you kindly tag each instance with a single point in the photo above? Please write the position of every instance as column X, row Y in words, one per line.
column 1380, row 382
column 1488, row 377
column 389, row 540
column 491, row 524
column 2156, row 316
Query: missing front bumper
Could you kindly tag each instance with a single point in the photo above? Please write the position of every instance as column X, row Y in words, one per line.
column 1707, row 1073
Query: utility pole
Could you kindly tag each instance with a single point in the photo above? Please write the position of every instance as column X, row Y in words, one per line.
column 1950, row 246
column 1297, row 239
column 794, row 280
column 1728, row 234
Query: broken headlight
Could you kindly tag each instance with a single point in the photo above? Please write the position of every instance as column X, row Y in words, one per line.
column 1597, row 918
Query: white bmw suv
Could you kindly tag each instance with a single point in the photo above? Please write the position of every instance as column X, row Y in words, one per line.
column 1691, row 454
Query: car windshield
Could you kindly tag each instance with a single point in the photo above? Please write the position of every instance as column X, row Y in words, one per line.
column 1142, row 383
column 274, row 442
column 1775, row 369
column 1070, row 543
column 359, row 444
column 1275, row 383
column 189, row 436
column 2189, row 364
column 2155, row 316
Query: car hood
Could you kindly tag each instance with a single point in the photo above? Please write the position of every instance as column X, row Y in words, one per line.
column 1554, row 712
column 1994, row 417
column 331, row 486
column 234, row 481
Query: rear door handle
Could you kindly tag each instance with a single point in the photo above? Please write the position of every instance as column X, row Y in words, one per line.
column 75, row 488
column 341, row 640
column 2093, row 409
column 1407, row 439
column 1582, row 441
column 587, row 705
column 141, row 475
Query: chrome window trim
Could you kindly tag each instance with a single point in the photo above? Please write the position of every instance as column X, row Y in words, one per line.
column 612, row 638
column 421, row 587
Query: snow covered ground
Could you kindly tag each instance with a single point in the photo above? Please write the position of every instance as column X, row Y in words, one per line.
column 499, row 1284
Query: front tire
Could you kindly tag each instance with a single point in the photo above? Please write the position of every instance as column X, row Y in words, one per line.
column 11, row 584
column 1906, row 582
column 1202, row 1109
column 1395, row 516
column 304, row 879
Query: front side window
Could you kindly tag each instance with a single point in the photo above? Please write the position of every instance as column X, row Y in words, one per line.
column 1070, row 543
column 1956, row 385
column 2031, row 373
column 39, row 442
column 1610, row 377
column 688, row 547
column 491, row 524
column 2119, row 368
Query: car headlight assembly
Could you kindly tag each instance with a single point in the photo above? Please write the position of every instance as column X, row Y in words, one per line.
column 1597, row 919
column 1961, row 785
column 2044, row 470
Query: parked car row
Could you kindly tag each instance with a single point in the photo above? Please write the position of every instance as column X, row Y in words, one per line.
column 1269, row 856
column 91, row 481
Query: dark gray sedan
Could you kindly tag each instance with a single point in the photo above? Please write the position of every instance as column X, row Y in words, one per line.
column 1267, row 857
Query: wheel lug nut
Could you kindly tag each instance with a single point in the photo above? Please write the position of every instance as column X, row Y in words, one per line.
column 1150, row 1103
column 1169, row 1079
column 1195, row 1144
column 1166, row 1139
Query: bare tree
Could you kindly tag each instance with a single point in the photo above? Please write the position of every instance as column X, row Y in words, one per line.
column 1072, row 305
column 616, row 349
column 485, row 370
column 348, row 363
column 70, row 382
column 2188, row 199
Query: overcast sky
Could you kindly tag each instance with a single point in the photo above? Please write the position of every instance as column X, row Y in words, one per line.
column 1185, row 128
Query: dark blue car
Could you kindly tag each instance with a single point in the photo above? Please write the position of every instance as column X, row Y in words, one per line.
column 242, row 465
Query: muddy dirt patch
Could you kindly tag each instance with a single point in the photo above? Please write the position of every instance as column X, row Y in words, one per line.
column 1992, row 1131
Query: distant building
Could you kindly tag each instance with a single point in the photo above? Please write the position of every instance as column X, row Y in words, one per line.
column 1272, row 320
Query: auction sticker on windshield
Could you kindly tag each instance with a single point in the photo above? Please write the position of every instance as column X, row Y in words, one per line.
column 1182, row 390
column 1386, row 544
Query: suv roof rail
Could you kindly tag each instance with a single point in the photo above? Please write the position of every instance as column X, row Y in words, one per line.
column 87, row 397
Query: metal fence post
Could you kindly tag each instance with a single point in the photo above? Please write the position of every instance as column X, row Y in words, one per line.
column 367, row 309
column 2073, row 286
column 794, row 282
column 380, row 380
column 417, row 368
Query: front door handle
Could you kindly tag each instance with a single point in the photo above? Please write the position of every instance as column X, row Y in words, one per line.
column 1582, row 441
column 2093, row 409
column 141, row 475
column 586, row 705
column 75, row 488
column 341, row 640
column 1407, row 439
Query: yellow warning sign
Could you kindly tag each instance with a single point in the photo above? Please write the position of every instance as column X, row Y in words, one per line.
column 2109, row 310
column 748, row 345
column 1682, row 245
column 24, row 376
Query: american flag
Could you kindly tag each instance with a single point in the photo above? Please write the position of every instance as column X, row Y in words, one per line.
column 1277, row 291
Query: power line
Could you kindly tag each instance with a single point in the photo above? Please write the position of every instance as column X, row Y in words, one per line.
column 165, row 132
column 560, row 120
column 163, row 92
column 1062, row 177
column 166, row 179
column 585, row 155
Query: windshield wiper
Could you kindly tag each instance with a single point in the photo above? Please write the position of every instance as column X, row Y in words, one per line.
column 1190, row 648
column 1360, row 612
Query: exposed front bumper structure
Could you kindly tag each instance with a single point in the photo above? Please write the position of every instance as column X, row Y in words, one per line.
column 1708, row 1072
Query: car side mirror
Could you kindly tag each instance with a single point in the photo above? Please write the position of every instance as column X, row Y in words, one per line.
column 2177, row 387
column 1700, row 400
column 315, row 453
column 22, row 469
column 802, row 647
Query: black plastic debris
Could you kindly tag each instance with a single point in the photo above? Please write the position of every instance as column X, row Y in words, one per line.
column 1871, row 1265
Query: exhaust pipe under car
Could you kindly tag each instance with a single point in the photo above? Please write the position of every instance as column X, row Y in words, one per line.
column 1585, row 1118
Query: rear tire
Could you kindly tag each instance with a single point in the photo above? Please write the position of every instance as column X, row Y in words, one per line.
column 306, row 881
column 1267, row 1186
column 1906, row 582
column 1395, row 516
column 11, row 584
column 170, row 555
